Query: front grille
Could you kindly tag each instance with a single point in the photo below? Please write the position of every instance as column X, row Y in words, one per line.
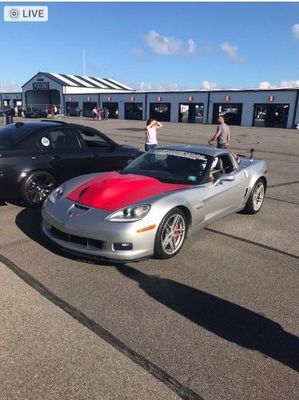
column 82, row 241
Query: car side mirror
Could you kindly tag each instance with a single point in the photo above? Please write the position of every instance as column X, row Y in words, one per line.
column 224, row 178
column 228, row 178
column 114, row 146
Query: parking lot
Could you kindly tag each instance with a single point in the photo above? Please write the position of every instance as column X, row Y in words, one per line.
column 218, row 321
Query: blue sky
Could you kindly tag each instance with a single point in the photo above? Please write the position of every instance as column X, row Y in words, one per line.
column 157, row 45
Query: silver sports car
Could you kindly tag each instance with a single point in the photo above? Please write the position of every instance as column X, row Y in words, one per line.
column 151, row 206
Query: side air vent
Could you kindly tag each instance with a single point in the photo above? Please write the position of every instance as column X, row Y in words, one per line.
column 81, row 207
column 83, row 192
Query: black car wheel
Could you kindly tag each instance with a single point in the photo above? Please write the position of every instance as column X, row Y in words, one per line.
column 171, row 234
column 256, row 198
column 36, row 187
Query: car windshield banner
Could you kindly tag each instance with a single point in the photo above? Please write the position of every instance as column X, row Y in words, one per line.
column 184, row 154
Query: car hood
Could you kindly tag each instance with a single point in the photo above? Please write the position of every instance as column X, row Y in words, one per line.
column 112, row 191
column 127, row 146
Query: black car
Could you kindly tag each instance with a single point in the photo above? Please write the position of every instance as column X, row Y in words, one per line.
column 36, row 156
column 36, row 114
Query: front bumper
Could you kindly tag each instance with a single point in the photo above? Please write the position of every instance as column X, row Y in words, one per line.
column 85, row 231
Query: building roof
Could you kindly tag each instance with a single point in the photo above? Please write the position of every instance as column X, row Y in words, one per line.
column 85, row 83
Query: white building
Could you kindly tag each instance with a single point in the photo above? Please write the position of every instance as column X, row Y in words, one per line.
column 252, row 107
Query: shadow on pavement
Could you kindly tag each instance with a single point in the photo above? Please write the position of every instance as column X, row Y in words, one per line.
column 29, row 221
column 221, row 317
column 130, row 129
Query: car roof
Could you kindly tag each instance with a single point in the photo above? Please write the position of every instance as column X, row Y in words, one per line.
column 19, row 130
column 31, row 126
column 44, row 124
column 193, row 148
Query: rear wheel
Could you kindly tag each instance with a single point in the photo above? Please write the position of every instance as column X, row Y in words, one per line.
column 36, row 187
column 256, row 198
column 171, row 234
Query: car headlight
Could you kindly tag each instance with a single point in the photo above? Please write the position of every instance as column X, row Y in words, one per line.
column 56, row 194
column 129, row 214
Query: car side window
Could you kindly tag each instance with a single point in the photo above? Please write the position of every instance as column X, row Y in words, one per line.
column 62, row 139
column 227, row 164
column 27, row 143
column 92, row 139
column 216, row 168
column 221, row 165
column 43, row 141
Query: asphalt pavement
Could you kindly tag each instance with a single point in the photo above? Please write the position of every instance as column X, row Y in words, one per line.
column 218, row 321
column 47, row 354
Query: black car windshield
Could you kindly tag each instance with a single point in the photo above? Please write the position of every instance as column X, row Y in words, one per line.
column 171, row 166
column 10, row 134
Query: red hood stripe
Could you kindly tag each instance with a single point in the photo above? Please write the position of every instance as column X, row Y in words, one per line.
column 112, row 191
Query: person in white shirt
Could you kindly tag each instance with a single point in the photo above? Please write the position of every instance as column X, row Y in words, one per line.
column 151, row 134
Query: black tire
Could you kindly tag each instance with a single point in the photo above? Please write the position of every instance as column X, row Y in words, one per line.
column 176, row 220
column 256, row 198
column 36, row 188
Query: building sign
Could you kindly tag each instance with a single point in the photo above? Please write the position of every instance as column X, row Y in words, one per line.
column 132, row 98
column 70, row 99
column 271, row 99
column 226, row 98
column 159, row 98
column 88, row 98
column 190, row 98
column 109, row 98
column 41, row 86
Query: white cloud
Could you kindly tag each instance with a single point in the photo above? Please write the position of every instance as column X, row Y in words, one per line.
column 207, row 85
column 282, row 84
column 232, row 52
column 290, row 84
column 144, row 86
column 169, row 45
column 295, row 30
column 161, row 87
column 264, row 85
column 191, row 48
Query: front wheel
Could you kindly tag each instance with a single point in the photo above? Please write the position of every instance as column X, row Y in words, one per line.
column 256, row 198
column 171, row 234
column 36, row 187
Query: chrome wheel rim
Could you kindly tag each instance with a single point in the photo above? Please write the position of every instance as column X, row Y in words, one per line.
column 173, row 234
column 39, row 188
column 258, row 196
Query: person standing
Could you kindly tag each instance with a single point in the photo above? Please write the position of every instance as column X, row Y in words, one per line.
column 78, row 111
column 100, row 112
column 151, row 134
column 94, row 113
column 222, row 134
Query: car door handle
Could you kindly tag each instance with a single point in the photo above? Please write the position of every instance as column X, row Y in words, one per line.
column 93, row 156
column 56, row 157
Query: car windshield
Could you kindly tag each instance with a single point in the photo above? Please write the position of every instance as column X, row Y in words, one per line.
column 171, row 166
